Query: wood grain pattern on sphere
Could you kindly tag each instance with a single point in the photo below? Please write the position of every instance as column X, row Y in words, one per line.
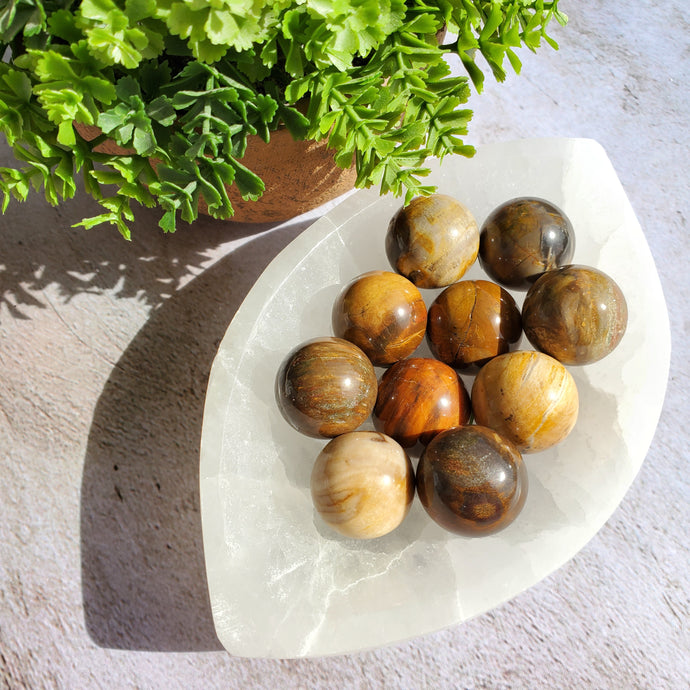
column 418, row 398
column 576, row 314
column 326, row 387
column 528, row 397
column 472, row 481
column 432, row 241
column 382, row 313
column 471, row 322
column 362, row 484
column 523, row 238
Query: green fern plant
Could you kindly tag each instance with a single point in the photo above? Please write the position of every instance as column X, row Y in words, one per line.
column 183, row 83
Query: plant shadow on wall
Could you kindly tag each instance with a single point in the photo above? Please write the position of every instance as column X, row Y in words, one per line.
column 143, row 574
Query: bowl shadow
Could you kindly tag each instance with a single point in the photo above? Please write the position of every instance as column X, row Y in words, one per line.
column 143, row 573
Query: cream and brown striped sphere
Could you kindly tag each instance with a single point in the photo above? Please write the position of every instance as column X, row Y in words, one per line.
column 528, row 397
column 362, row 484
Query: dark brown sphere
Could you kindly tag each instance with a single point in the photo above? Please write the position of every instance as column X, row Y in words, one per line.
column 576, row 314
column 382, row 313
column 471, row 322
column 326, row 387
column 432, row 241
column 472, row 481
column 523, row 238
column 418, row 398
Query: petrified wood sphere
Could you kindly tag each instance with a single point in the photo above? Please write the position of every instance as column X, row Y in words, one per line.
column 418, row 398
column 472, row 481
column 382, row 313
column 432, row 241
column 362, row 484
column 528, row 397
column 471, row 322
column 576, row 314
column 326, row 387
column 523, row 238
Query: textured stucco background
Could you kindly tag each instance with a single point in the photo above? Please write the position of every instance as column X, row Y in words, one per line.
column 105, row 349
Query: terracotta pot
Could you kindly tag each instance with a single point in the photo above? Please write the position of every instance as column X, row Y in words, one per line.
column 299, row 175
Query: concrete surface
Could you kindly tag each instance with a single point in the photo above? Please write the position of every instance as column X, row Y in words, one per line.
column 105, row 349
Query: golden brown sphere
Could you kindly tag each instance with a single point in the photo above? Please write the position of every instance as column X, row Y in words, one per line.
column 528, row 397
column 382, row 313
column 471, row 322
column 362, row 484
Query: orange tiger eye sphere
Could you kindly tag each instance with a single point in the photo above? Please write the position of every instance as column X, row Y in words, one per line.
column 418, row 398
column 382, row 313
column 432, row 241
column 471, row 322
column 528, row 397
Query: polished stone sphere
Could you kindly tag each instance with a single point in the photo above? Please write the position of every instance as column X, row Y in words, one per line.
column 418, row 398
column 382, row 313
column 472, row 481
column 471, row 322
column 528, row 397
column 362, row 484
column 576, row 314
column 523, row 238
column 326, row 387
column 432, row 241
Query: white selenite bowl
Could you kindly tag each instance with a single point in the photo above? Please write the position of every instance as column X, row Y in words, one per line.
column 281, row 583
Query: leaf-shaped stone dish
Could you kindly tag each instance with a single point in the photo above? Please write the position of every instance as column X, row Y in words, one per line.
column 281, row 583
